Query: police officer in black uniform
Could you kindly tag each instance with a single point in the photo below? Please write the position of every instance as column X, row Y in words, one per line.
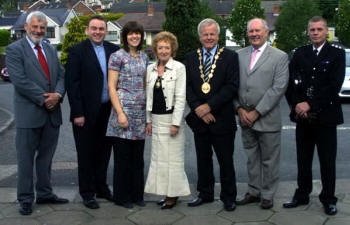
column 316, row 76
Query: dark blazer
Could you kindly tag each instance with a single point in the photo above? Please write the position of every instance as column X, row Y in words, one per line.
column 317, row 80
column 224, row 87
column 84, row 79
column 30, row 84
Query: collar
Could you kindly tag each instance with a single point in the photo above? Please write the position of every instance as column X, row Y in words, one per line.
column 169, row 65
column 96, row 45
column 319, row 48
column 261, row 49
column 212, row 51
column 32, row 45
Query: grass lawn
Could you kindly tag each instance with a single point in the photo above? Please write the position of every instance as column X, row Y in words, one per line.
column 2, row 49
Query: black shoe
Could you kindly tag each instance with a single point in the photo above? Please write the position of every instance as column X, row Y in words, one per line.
column 25, row 208
column 91, row 203
column 169, row 203
column 230, row 206
column 266, row 204
column 330, row 209
column 107, row 196
column 295, row 203
column 161, row 202
column 140, row 203
column 52, row 200
column 248, row 198
column 127, row 205
column 198, row 201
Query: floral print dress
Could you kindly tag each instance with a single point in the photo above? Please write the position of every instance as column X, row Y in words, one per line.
column 131, row 92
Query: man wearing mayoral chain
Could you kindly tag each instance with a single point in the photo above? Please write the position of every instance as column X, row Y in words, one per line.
column 212, row 83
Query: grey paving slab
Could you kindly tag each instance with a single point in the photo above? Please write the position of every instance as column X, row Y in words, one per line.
column 346, row 198
column 206, row 209
column 69, row 207
column 109, row 221
column 20, row 221
column 155, row 217
column 247, row 213
column 297, row 218
column 110, row 210
column 254, row 223
column 343, row 209
column 8, row 195
column 12, row 210
column 66, row 218
column 69, row 193
column 203, row 220
column 338, row 221
column 343, row 186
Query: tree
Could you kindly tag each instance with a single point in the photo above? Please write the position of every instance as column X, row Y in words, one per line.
column 242, row 13
column 343, row 23
column 4, row 37
column 76, row 32
column 182, row 20
column 328, row 9
column 291, row 24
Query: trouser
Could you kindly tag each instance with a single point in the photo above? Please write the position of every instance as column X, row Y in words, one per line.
column 35, row 145
column 94, row 151
column 128, row 182
column 223, row 146
column 325, row 138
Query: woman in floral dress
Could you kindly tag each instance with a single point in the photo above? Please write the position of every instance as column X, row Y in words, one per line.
column 126, row 74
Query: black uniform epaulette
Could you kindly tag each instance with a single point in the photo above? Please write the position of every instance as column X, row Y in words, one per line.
column 336, row 46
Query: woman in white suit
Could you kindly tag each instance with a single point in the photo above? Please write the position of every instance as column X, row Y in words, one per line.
column 166, row 96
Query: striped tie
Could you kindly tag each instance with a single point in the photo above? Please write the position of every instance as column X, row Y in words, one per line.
column 207, row 66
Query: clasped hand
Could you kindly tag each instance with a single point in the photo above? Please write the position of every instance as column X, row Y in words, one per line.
column 51, row 100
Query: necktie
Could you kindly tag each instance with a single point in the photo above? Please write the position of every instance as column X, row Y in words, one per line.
column 252, row 58
column 316, row 52
column 207, row 66
column 43, row 62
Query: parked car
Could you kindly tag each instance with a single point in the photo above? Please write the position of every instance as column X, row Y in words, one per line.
column 5, row 74
column 345, row 89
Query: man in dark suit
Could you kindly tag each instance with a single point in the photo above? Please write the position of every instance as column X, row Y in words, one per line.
column 86, row 81
column 38, row 79
column 316, row 76
column 212, row 83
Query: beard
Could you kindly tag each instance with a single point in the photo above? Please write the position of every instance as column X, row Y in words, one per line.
column 34, row 39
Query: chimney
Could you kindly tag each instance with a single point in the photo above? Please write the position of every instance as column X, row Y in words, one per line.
column 150, row 10
column 276, row 9
column 69, row 4
column 25, row 6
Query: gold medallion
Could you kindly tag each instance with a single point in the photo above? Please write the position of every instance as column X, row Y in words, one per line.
column 216, row 56
column 205, row 87
column 200, row 67
column 157, row 84
column 213, row 66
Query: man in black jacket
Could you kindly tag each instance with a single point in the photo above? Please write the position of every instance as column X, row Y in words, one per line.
column 86, row 81
column 316, row 75
column 212, row 83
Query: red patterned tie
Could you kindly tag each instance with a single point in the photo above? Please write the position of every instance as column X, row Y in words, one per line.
column 43, row 62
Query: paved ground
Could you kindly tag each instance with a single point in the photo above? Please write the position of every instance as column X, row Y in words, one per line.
column 75, row 213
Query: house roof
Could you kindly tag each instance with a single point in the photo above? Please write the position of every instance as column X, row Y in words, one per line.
column 136, row 7
column 149, row 23
column 57, row 15
column 7, row 21
column 269, row 5
column 223, row 7
column 11, row 14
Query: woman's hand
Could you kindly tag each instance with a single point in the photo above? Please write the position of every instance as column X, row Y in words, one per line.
column 149, row 129
column 123, row 120
column 174, row 130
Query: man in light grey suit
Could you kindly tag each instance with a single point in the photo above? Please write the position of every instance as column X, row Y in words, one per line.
column 263, row 81
column 38, row 80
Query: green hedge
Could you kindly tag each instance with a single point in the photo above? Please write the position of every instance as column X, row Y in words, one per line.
column 4, row 37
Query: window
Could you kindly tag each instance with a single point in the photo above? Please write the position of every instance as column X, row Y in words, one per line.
column 112, row 36
column 50, row 32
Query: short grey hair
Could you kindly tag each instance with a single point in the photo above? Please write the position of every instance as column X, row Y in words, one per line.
column 316, row 19
column 207, row 22
column 37, row 14
column 262, row 20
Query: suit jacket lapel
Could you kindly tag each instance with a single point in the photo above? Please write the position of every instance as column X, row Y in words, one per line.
column 246, row 60
column 31, row 55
